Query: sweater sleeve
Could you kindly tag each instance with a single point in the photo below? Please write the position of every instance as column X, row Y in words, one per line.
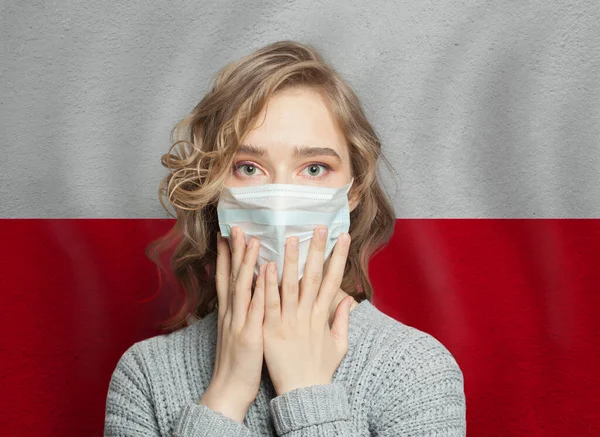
column 421, row 392
column 317, row 410
column 130, row 408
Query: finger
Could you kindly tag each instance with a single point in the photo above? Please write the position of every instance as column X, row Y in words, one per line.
column 313, row 270
column 222, row 273
column 341, row 321
column 222, row 285
column 335, row 272
column 272, row 301
column 238, row 243
column 289, row 280
column 256, row 312
column 243, row 285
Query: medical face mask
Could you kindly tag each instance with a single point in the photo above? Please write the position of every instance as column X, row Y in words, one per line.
column 273, row 212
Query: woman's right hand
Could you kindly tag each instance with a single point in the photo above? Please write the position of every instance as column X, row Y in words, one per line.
column 239, row 356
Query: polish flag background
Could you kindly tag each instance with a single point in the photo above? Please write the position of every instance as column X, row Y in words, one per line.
column 489, row 113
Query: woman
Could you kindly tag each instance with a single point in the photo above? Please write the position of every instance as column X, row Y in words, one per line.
column 287, row 341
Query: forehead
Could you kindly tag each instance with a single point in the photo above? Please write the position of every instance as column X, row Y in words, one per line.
column 296, row 116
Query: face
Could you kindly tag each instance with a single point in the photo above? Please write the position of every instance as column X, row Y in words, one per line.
column 295, row 141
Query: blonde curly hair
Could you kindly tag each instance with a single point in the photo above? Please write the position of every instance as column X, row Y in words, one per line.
column 207, row 140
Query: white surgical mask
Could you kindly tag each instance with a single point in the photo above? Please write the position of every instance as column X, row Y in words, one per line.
column 273, row 212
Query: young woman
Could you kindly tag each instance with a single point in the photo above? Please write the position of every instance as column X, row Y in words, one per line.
column 278, row 212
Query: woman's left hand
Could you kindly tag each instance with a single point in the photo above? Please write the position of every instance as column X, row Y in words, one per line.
column 300, row 348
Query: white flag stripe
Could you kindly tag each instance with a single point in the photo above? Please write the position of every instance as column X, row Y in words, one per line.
column 485, row 110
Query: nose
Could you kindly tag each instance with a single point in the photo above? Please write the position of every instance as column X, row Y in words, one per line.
column 282, row 177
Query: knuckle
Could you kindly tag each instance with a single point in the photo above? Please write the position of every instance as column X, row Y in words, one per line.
column 317, row 314
column 314, row 278
column 291, row 286
column 331, row 282
column 248, row 337
column 272, row 305
column 343, row 346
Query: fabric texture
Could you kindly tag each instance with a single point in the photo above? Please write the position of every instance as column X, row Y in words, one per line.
column 395, row 380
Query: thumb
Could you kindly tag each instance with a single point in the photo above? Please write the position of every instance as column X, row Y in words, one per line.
column 339, row 327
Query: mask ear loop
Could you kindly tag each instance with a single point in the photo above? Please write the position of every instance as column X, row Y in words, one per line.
column 349, row 185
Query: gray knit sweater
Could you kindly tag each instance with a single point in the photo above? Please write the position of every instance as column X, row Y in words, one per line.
column 394, row 381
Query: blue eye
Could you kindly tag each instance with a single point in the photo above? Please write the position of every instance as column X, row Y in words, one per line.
column 250, row 169
column 315, row 172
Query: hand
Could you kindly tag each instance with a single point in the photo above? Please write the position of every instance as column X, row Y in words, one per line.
column 300, row 348
column 239, row 357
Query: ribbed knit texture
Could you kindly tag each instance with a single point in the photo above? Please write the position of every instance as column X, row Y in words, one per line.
column 394, row 381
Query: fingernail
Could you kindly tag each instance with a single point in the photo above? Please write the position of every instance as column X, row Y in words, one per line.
column 322, row 232
column 345, row 237
column 252, row 243
column 293, row 243
column 234, row 232
column 272, row 267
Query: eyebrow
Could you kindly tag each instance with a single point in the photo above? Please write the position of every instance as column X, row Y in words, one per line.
column 299, row 151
